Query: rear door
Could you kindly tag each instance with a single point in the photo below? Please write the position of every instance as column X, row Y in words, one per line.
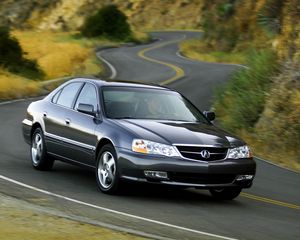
column 55, row 117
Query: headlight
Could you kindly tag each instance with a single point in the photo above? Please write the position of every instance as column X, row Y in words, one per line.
column 240, row 152
column 148, row 147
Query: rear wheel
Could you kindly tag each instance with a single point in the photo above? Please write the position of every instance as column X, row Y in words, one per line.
column 107, row 174
column 225, row 193
column 39, row 157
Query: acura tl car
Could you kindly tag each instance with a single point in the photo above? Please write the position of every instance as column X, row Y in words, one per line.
column 136, row 132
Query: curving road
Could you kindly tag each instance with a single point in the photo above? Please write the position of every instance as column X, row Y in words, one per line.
column 269, row 210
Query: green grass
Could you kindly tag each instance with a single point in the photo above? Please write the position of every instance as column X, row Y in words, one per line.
column 241, row 101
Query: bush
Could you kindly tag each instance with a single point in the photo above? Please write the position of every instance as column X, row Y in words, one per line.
column 240, row 103
column 109, row 22
column 12, row 57
column 225, row 10
column 10, row 49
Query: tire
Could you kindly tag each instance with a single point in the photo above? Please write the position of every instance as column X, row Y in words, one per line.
column 38, row 152
column 225, row 193
column 107, row 172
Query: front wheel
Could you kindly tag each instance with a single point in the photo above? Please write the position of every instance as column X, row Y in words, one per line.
column 39, row 158
column 225, row 193
column 107, row 174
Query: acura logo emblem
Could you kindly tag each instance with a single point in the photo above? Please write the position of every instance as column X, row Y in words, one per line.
column 205, row 154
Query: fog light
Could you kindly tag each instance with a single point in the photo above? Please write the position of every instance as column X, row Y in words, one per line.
column 244, row 177
column 156, row 174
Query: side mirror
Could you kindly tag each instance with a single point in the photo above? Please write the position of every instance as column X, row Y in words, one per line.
column 209, row 115
column 86, row 108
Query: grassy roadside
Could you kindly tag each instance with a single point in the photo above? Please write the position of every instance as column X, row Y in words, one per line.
column 19, row 220
column 197, row 50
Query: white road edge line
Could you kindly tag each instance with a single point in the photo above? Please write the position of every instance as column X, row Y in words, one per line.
column 276, row 165
column 111, row 210
column 111, row 67
column 20, row 100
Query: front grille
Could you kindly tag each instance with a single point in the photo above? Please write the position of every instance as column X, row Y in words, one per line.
column 194, row 152
column 198, row 178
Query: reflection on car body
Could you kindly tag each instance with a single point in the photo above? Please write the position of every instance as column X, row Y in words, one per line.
column 136, row 132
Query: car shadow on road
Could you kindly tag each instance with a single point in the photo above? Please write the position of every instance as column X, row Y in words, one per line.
column 159, row 193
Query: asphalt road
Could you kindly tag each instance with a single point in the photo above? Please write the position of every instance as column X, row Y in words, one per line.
column 269, row 210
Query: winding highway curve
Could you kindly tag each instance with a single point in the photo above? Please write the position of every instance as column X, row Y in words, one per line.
column 268, row 210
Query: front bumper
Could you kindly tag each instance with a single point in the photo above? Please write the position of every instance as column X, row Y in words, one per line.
column 184, row 172
column 26, row 130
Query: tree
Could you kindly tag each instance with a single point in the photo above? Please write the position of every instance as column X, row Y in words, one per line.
column 109, row 22
column 11, row 57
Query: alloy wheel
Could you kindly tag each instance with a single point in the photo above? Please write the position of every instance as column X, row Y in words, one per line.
column 37, row 149
column 106, row 170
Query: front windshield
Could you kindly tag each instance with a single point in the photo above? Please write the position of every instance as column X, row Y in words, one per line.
column 151, row 104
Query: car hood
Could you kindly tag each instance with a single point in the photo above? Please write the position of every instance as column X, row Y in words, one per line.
column 170, row 132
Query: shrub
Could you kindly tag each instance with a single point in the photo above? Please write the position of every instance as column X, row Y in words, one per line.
column 225, row 10
column 10, row 49
column 109, row 22
column 12, row 57
column 240, row 102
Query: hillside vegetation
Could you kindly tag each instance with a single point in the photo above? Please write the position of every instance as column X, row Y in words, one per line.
column 57, row 55
column 260, row 103
column 70, row 15
column 29, row 53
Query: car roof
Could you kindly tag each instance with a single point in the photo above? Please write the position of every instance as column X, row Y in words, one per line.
column 120, row 83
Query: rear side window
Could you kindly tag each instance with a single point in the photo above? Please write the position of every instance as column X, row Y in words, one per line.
column 68, row 94
column 55, row 97
column 88, row 95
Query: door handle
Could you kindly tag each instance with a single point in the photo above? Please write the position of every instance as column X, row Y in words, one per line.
column 45, row 114
column 67, row 121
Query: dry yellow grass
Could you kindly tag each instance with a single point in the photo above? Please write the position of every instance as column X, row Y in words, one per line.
column 14, row 86
column 20, row 221
column 141, row 36
column 288, row 158
column 58, row 54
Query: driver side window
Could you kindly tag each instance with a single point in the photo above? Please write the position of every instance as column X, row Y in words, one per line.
column 88, row 95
